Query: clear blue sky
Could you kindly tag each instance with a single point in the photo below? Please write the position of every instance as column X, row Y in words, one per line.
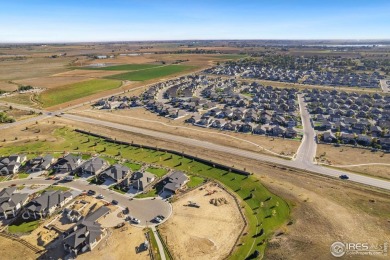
column 115, row 20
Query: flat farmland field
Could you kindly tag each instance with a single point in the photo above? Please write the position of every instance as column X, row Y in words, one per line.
column 86, row 73
column 153, row 73
column 59, row 95
column 126, row 67
column 52, row 81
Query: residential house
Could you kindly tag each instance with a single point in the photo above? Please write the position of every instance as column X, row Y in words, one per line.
column 11, row 202
column 47, row 203
column 69, row 163
column 86, row 234
column 175, row 181
column 11, row 164
column 116, row 172
column 94, row 166
column 40, row 163
column 141, row 180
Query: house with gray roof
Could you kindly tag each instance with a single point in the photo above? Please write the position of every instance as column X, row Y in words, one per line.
column 94, row 166
column 141, row 180
column 175, row 181
column 11, row 202
column 86, row 234
column 11, row 164
column 116, row 172
column 40, row 163
column 47, row 203
column 68, row 163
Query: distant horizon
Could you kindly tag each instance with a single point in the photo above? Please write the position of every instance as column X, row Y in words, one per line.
column 43, row 21
column 357, row 41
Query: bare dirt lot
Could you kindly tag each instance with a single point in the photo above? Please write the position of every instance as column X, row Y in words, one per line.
column 338, row 156
column 13, row 250
column 142, row 118
column 5, row 86
column 119, row 244
column 207, row 232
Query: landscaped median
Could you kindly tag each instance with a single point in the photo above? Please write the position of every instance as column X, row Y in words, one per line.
column 265, row 212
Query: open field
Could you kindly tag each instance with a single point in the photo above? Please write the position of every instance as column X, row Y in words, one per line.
column 126, row 67
column 152, row 73
column 5, row 86
column 32, row 67
column 142, row 118
column 71, row 92
column 86, row 73
column 13, row 250
column 51, row 81
column 22, row 99
column 208, row 232
column 338, row 156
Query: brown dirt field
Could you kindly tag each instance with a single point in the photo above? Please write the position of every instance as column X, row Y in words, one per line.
column 14, row 250
column 52, row 81
column 32, row 67
column 5, row 86
column 130, row 116
column 324, row 210
column 119, row 245
column 208, row 232
column 351, row 156
column 86, row 73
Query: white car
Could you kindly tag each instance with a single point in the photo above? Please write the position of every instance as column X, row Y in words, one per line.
column 100, row 196
column 159, row 220
column 135, row 220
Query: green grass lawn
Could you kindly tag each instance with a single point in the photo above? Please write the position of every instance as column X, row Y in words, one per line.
column 23, row 175
column 23, row 227
column 153, row 73
column 159, row 172
column 150, row 194
column 114, row 188
column 154, row 245
column 66, row 93
column 54, row 188
column 260, row 205
column 195, row 181
column 133, row 166
column 125, row 67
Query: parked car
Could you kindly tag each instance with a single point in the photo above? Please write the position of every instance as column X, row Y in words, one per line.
column 135, row 220
column 100, row 196
column 157, row 219
column 344, row 177
column 161, row 217
column 91, row 192
column 114, row 202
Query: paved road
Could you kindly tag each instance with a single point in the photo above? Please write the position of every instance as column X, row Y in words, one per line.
column 385, row 87
column 300, row 162
column 143, row 209
column 308, row 148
